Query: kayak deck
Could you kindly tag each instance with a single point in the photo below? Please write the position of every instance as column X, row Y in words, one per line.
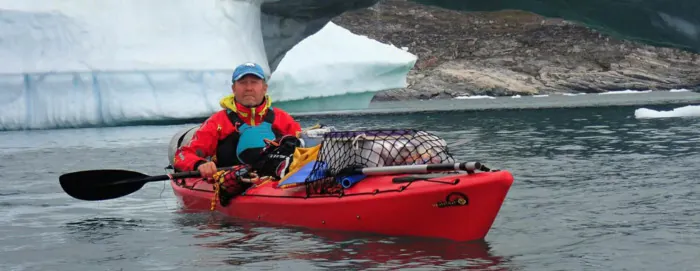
column 456, row 206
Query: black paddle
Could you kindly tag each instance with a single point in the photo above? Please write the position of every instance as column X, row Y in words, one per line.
column 104, row 184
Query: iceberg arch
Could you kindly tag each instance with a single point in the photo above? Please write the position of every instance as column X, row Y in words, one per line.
column 73, row 63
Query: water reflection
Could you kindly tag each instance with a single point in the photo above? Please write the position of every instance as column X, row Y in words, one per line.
column 101, row 229
column 242, row 242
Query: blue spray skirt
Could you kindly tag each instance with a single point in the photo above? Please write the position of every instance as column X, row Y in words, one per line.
column 303, row 173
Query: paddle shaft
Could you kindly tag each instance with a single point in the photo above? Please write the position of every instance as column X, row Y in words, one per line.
column 427, row 168
column 174, row 176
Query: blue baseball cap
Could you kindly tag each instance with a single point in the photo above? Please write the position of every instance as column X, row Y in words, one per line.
column 247, row 68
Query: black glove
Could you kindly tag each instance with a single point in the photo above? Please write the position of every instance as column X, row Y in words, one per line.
column 232, row 184
column 276, row 157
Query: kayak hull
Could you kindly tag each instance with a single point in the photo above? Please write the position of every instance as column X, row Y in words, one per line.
column 457, row 206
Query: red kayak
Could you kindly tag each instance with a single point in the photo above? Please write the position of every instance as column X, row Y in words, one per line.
column 351, row 181
column 459, row 206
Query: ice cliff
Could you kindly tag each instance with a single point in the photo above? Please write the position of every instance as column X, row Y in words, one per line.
column 75, row 63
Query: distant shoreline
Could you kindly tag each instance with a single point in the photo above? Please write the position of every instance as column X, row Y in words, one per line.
column 641, row 99
column 552, row 101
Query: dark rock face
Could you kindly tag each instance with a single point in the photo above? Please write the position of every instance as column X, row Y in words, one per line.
column 513, row 52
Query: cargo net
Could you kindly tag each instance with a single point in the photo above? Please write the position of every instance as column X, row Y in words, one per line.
column 341, row 151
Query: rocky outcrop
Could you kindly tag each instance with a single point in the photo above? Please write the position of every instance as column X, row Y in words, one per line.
column 514, row 52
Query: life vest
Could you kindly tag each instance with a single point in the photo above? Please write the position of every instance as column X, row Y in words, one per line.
column 244, row 145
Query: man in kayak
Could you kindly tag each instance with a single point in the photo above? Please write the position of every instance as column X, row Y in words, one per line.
column 247, row 131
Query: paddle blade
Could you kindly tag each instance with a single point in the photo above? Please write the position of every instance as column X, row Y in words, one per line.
column 104, row 184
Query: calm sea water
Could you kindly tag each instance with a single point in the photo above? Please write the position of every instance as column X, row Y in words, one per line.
column 595, row 189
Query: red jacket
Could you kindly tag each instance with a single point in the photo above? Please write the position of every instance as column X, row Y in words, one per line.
column 218, row 126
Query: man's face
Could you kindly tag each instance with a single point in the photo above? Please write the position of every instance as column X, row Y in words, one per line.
column 249, row 90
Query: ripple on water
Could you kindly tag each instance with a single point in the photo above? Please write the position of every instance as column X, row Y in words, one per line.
column 604, row 192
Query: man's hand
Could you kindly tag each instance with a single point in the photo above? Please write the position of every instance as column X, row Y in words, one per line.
column 207, row 170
